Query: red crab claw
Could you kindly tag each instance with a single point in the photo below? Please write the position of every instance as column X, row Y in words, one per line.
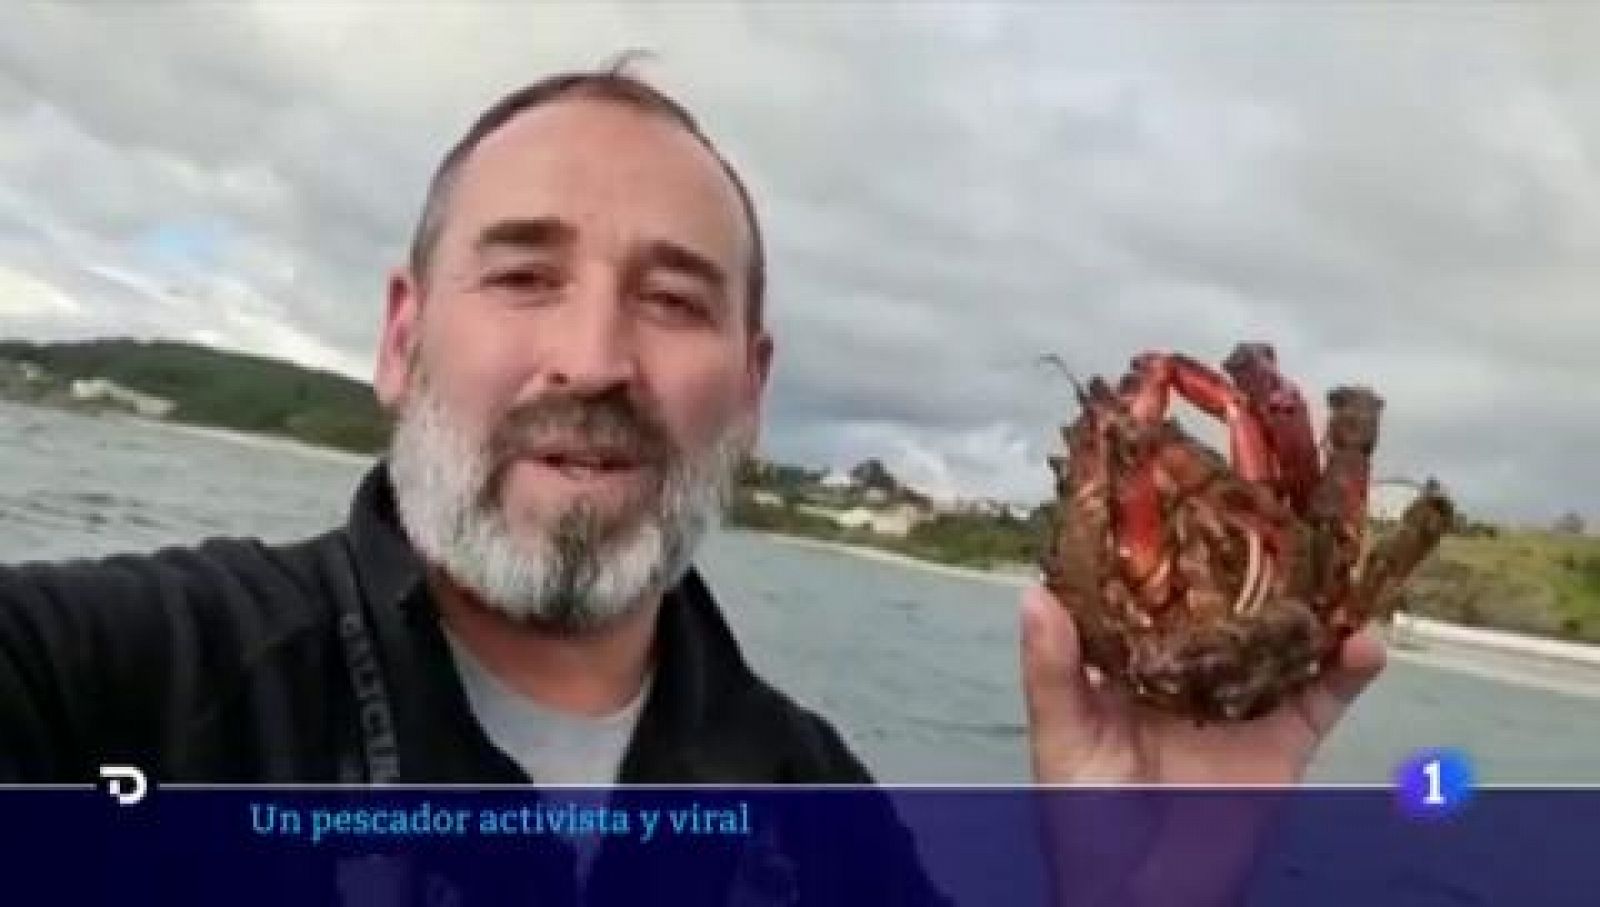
column 1160, row 374
column 1146, row 393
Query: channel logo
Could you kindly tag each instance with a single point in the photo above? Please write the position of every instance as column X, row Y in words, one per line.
column 1434, row 783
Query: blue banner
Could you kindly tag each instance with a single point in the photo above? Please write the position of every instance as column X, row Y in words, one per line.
column 781, row 846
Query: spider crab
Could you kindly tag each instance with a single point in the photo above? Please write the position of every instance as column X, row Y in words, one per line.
column 1215, row 588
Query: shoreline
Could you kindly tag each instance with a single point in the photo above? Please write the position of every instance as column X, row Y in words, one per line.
column 866, row 552
column 253, row 439
column 1570, row 669
column 257, row 440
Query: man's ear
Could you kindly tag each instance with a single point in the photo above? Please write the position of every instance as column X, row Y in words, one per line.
column 758, row 374
column 397, row 344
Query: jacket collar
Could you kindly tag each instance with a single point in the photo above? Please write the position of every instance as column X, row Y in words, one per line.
column 391, row 572
column 701, row 678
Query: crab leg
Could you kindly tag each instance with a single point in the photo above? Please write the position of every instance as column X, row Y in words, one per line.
column 1074, row 564
column 1142, row 533
column 1158, row 374
column 1338, row 511
column 1422, row 526
column 1078, row 564
column 1285, row 419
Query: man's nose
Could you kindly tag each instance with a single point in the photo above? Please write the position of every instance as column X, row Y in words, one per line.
column 593, row 350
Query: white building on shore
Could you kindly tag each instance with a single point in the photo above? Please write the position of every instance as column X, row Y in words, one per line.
column 896, row 520
column 101, row 389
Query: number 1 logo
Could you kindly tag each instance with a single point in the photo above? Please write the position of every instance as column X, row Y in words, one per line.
column 1434, row 783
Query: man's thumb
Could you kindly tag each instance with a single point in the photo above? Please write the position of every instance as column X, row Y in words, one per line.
column 1060, row 702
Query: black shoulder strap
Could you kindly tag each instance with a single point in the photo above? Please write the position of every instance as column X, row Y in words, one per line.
column 372, row 752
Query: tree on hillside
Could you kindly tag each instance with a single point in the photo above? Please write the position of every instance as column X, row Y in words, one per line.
column 750, row 471
column 873, row 474
column 780, row 477
column 1570, row 523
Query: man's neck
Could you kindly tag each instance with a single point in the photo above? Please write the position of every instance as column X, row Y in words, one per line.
column 590, row 674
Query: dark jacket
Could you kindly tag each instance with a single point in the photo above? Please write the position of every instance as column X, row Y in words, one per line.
column 322, row 661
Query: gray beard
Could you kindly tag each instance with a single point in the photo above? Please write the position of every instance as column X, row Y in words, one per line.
column 578, row 570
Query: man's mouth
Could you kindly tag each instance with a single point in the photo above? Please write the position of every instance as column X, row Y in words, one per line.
column 587, row 463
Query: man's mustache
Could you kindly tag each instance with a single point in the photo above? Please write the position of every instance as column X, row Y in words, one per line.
column 611, row 421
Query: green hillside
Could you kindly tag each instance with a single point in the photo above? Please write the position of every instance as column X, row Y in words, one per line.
column 222, row 389
column 1537, row 582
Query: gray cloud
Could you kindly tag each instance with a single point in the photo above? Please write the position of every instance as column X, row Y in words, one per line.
column 1405, row 196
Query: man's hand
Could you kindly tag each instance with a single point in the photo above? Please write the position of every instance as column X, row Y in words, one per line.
column 1170, row 848
column 1084, row 732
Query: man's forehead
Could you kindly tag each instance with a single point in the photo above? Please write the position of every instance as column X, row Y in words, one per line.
column 579, row 160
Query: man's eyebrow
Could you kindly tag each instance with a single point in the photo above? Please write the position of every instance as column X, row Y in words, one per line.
column 531, row 233
column 670, row 255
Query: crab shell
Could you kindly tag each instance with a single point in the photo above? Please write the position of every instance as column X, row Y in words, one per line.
column 1204, row 663
column 1193, row 651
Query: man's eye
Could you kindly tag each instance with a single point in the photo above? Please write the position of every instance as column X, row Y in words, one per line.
column 525, row 279
column 676, row 305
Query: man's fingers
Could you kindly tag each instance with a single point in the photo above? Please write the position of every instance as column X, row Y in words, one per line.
column 1360, row 662
column 1061, row 712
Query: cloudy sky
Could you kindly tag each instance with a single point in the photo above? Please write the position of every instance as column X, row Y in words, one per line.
column 1405, row 195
